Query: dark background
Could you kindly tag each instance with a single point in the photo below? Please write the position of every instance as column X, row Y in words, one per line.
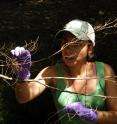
column 25, row 20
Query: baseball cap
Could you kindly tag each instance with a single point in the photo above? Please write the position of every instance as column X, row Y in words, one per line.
column 81, row 29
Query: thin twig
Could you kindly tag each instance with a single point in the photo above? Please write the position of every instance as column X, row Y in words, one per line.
column 67, row 78
column 6, row 77
column 54, row 88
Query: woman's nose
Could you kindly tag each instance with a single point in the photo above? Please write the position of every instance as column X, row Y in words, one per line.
column 68, row 50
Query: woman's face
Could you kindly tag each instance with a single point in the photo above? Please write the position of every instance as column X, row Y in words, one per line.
column 73, row 50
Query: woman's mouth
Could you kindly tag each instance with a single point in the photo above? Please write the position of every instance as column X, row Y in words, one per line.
column 70, row 57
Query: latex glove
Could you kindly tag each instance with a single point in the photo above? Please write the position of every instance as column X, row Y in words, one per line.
column 81, row 110
column 23, row 56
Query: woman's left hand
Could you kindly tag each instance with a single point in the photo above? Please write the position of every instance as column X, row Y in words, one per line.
column 82, row 111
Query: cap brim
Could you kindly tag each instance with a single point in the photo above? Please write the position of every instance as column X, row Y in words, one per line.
column 61, row 33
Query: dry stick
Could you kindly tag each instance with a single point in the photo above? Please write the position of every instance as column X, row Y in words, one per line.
column 6, row 77
column 66, row 44
column 67, row 78
column 9, row 78
column 102, row 96
column 54, row 88
column 107, row 25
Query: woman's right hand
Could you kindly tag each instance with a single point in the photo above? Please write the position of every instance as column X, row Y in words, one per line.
column 23, row 58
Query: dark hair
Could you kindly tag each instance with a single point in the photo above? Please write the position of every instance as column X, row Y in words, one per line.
column 91, row 55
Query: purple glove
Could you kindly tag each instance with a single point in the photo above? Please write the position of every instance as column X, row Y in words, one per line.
column 23, row 57
column 81, row 110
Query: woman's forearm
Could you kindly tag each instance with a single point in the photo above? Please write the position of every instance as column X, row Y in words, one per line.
column 22, row 92
column 107, row 117
column 27, row 91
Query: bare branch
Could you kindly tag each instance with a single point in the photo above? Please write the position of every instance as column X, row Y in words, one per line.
column 54, row 88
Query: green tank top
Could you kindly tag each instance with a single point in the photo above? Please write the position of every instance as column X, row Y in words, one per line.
column 63, row 98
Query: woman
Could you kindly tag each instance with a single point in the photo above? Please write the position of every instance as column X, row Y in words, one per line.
column 81, row 100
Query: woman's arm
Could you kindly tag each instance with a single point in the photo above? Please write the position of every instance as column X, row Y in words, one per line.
column 26, row 91
column 110, row 116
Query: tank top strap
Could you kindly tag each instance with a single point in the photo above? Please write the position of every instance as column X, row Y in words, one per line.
column 100, row 74
column 60, row 82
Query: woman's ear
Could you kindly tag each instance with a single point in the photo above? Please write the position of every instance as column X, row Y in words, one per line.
column 90, row 55
column 90, row 48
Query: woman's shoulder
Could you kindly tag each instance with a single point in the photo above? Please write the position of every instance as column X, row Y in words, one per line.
column 49, row 70
column 104, row 63
column 108, row 69
column 47, row 74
